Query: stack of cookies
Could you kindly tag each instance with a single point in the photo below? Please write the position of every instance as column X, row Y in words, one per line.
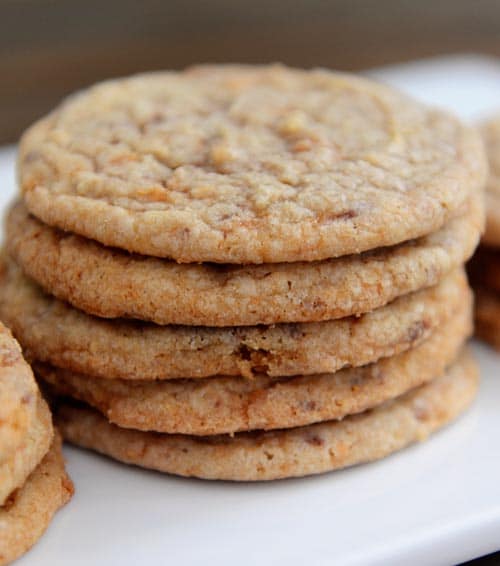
column 246, row 273
column 33, row 480
column 485, row 267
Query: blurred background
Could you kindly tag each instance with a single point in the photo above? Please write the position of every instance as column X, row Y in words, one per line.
column 50, row 48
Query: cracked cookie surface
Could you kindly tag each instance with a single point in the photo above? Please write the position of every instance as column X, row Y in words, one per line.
column 29, row 511
column 236, row 164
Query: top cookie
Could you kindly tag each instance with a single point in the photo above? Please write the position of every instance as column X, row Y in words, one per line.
column 491, row 133
column 239, row 164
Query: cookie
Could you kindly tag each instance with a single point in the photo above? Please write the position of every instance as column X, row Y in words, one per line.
column 24, row 518
column 285, row 453
column 484, row 268
column 488, row 316
column 28, row 454
column 227, row 405
column 491, row 134
column 52, row 331
column 110, row 283
column 25, row 423
column 18, row 396
column 235, row 164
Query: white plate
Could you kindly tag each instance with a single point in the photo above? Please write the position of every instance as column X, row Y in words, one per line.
column 435, row 503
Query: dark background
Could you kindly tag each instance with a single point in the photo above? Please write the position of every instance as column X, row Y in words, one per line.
column 50, row 48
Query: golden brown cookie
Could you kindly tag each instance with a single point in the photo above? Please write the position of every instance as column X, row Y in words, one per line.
column 287, row 453
column 238, row 164
column 24, row 518
column 25, row 421
column 488, row 316
column 28, row 453
column 51, row 331
column 18, row 396
column 226, row 405
column 110, row 283
column 491, row 134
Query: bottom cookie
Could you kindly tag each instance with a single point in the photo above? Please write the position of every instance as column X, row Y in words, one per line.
column 28, row 512
column 488, row 316
column 312, row 449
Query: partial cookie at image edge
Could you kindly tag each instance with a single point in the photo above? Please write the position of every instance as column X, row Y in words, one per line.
column 490, row 130
column 28, row 514
column 488, row 316
column 18, row 396
column 241, row 184
column 26, row 457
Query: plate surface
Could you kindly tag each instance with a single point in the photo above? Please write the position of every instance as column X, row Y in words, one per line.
column 435, row 503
